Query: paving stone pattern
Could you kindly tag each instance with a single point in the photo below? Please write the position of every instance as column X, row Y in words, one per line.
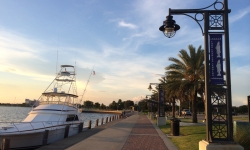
column 144, row 137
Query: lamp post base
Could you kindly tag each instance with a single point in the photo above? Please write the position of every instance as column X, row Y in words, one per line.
column 204, row 145
column 161, row 121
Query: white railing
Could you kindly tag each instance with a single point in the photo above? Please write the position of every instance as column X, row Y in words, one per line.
column 56, row 102
column 50, row 125
column 35, row 126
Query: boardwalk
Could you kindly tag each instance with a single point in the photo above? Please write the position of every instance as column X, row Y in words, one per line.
column 136, row 132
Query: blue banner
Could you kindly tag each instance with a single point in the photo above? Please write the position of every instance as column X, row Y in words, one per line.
column 216, row 59
column 161, row 101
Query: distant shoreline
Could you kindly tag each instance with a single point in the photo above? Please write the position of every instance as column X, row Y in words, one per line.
column 15, row 105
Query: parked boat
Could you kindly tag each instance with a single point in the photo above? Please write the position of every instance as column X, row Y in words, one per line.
column 55, row 116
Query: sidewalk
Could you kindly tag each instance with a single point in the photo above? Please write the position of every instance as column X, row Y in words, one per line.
column 147, row 136
column 133, row 133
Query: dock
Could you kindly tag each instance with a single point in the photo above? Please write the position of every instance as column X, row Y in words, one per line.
column 136, row 132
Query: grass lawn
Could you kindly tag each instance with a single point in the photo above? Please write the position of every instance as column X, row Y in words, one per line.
column 237, row 118
column 189, row 136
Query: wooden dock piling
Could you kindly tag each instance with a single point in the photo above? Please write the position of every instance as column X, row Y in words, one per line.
column 80, row 127
column 66, row 132
column 96, row 123
column 89, row 124
column 45, row 137
column 5, row 144
column 102, row 121
column 107, row 120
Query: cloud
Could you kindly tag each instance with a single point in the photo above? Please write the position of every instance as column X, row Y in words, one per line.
column 126, row 25
column 240, row 15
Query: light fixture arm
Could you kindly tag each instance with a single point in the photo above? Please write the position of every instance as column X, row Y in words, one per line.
column 200, row 11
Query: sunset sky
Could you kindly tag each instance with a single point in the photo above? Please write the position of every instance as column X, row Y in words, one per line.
column 120, row 39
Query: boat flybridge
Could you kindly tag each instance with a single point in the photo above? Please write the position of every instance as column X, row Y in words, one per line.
column 55, row 114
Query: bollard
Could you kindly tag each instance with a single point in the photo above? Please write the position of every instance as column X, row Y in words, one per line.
column 80, row 127
column 107, row 119
column 102, row 121
column 89, row 124
column 110, row 119
column 66, row 132
column 96, row 123
column 45, row 137
column 5, row 144
column 113, row 118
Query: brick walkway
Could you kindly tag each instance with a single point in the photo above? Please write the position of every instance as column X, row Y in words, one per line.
column 144, row 137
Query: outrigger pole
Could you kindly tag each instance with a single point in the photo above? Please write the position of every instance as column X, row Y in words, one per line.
column 87, row 82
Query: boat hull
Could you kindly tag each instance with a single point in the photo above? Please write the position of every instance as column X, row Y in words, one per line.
column 37, row 139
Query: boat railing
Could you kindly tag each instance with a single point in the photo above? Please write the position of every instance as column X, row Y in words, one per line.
column 35, row 126
column 53, row 125
column 56, row 102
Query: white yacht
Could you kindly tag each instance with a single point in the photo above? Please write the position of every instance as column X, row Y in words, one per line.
column 56, row 115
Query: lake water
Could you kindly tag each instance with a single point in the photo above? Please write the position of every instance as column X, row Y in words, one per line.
column 16, row 114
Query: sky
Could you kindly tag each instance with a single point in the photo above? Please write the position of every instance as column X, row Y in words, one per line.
column 120, row 40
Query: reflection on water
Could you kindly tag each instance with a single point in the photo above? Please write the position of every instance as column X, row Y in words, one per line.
column 17, row 114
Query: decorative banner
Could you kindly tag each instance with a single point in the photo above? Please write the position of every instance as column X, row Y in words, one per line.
column 216, row 59
column 161, row 101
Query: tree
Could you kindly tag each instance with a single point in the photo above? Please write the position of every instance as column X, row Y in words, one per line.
column 142, row 105
column 187, row 75
column 97, row 105
column 88, row 104
column 113, row 105
column 120, row 104
column 242, row 109
column 128, row 103
column 102, row 106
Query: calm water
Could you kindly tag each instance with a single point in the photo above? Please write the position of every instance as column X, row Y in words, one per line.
column 17, row 114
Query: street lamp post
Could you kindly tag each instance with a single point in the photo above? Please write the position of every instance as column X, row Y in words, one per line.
column 248, row 104
column 150, row 101
column 161, row 111
column 217, row 92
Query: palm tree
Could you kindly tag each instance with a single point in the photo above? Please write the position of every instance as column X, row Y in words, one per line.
column 186, row 75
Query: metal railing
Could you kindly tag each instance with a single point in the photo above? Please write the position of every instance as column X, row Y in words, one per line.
column 52, row 125
column 35, row 126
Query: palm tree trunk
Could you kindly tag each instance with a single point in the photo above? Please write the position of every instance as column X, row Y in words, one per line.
column 180, row 108
column 194, row 108
column 173, row 107
column 205, row 108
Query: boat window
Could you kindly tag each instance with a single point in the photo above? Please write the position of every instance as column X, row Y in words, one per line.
column 72, row 118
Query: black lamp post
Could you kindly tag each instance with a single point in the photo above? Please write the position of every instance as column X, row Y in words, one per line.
column 161, row 111
column 217, row 92
column 248, row 104
column 150, row 102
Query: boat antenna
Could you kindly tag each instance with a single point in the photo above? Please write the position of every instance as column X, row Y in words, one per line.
column 91, row 73
column 56, row 59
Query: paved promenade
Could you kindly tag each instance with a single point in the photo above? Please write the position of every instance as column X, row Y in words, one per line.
column 136, row 132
